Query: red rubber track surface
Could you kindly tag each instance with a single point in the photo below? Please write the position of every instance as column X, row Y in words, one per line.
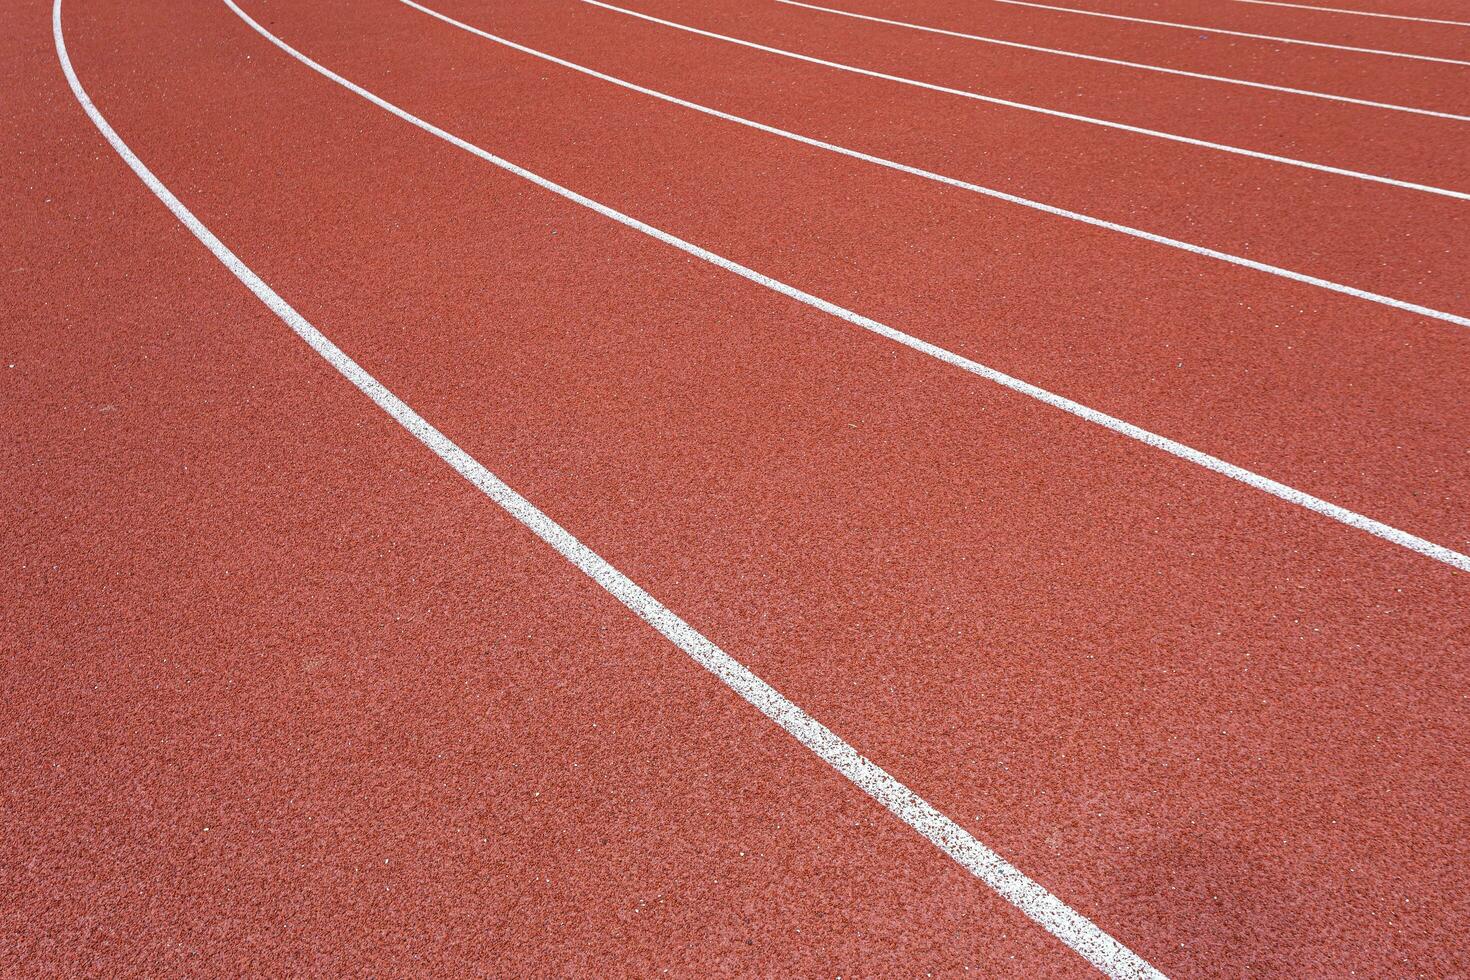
column 1325, row 224
column 1380, row 142
column 1439, row 9
column 1200, row 350
column 1435, row 40
column 284, row 694
column 1428, row 85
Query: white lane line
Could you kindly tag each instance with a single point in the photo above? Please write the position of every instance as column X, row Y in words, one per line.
column 1027, row 107
column 1201, row 250
column 1290, row 494
column 1048, row 911
column 1221, row 30
column 1130, row 64
column 1357, row 13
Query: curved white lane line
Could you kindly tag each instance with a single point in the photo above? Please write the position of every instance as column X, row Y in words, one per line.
column 1027, row 107
column 1130, row 64
column 1081, row 935
column 1221, row 30
column 1290, row 494
column 1336, row 287
column 1357, row 13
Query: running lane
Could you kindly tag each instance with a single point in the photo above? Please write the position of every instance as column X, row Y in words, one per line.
column 1452, row 10
column 1375, row 142
column 285, row 696
column 1389, row 240
column 1438, row 40
column 1304, row 385
column 1429, row 84
column 1219, row 726
column 1119, row 86
column 1361, row 75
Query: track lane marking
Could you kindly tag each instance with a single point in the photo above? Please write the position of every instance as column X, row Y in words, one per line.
column 1057, row 113
column 1221, row 30
column 1200, row 250
column 1041, row 110
column 1280, row 490
column 1077, row 932
column 1357, row 13
column 1130, row 64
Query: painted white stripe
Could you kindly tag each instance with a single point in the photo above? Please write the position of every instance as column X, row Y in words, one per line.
column 1210, row 253
column 1027, row 107
column 1290, row 494
column 1130, row 64
column 1356, row 13
column 1077, row 932
column 1220, row 30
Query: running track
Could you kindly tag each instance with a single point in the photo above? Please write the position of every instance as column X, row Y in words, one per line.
column 720, row 471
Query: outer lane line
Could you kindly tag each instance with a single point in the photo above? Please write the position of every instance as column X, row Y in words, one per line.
column 1290, row 494
column 1130, row 64
column 1359, row 13
column 1042, row 110
column 1078, row 933
column 1201, row 250
column 1221, row 30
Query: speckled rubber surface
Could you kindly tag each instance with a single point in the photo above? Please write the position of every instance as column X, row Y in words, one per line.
column 285, row 694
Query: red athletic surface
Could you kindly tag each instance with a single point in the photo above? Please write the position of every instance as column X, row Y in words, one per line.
column 1436, row 40
column 284, row 694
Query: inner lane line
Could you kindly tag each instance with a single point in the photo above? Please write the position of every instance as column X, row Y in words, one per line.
column 1077, row 932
